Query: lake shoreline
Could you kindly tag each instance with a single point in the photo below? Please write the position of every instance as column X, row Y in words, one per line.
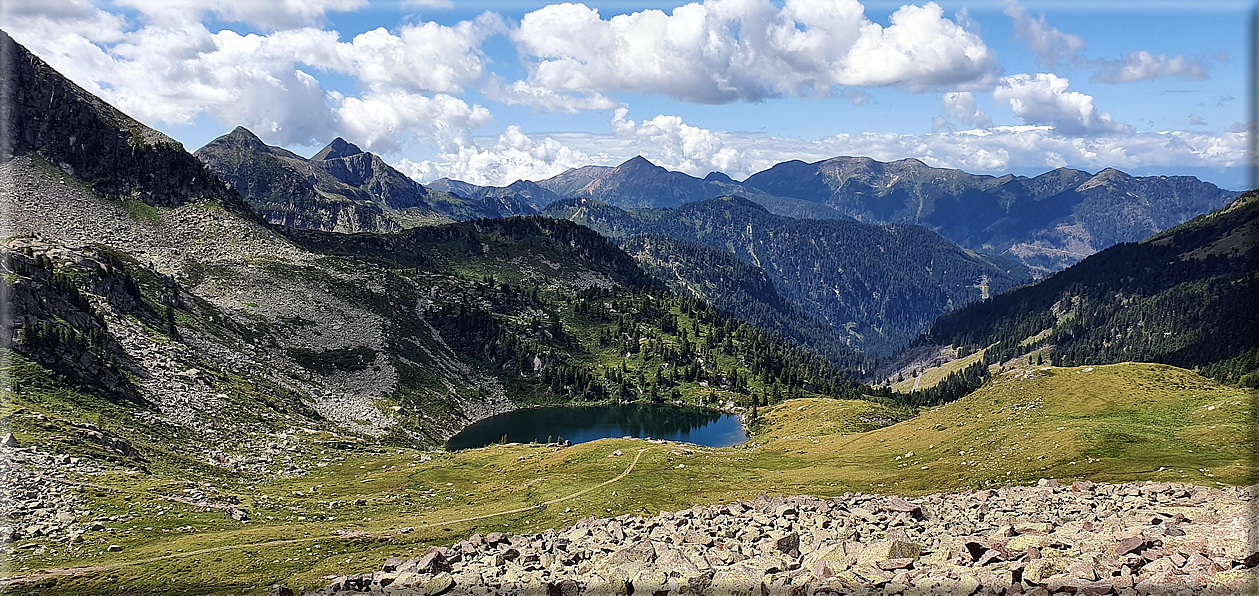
column 700, row 425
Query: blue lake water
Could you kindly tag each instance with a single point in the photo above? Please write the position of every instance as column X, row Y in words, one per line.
column 581, row 424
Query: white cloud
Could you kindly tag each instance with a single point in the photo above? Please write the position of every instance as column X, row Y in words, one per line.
column 421, row 58
column 543, row 99
column 267, row 14
column 388, row 121
column 172, row 73
column 721, row 51
column 1051, row 45
column 1144, row 66
column 997, row 150
column 1044, row 98
column 960, row 106
column 1196, row 120
column 513, row 156
column 669, row 142
column 29, row 18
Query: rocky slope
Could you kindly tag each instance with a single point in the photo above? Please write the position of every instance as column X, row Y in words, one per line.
column 1048, row 222
column 342, row 188
column 1086, row 538
column 134, row 271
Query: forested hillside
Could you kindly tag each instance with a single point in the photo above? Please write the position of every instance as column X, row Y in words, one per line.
column 721, row 279
column 1184, row 297
column 566, row 315
column 876, row 286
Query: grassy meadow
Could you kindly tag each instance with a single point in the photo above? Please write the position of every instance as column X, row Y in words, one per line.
column 356, row 506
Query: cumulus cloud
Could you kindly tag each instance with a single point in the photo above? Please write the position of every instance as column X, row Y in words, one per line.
column 424, row 57
column 387, row 121
column 1045, row 98
column 174, row 74
column 543, row 99
column 1050, row 45
column 675, row 144
column 721, row 51
column 960, row 106
column 61, row 17
column 165, row 72
column 1144, row 66
column 513, row 156
column 268, row 14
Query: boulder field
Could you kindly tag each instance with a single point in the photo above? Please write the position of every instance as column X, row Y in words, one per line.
column 1082, row 538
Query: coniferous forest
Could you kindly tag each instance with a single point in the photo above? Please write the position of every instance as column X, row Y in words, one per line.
column 1185, row 297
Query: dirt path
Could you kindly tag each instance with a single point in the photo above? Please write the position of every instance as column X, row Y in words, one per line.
column 62, row 572
column 917, row 380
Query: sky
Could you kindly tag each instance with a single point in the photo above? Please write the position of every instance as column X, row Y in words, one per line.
column 494, row 91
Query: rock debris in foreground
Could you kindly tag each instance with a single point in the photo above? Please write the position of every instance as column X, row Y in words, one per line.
column 1086, row 538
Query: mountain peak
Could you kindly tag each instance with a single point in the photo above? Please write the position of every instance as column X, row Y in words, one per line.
column 339, row 147
column 716, row 176
column 638, row 162
column 243, row 136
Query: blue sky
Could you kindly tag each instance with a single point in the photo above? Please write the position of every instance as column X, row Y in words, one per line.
column 494, row 91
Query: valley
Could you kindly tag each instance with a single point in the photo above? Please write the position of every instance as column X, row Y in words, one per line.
column 239, row 374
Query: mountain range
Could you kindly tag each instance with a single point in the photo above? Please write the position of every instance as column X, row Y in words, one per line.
column 136, row 277
column 202, row 399
column 342, row 188
column 1048, row 222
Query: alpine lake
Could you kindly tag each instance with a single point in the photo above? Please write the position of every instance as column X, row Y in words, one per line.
column 580, row 424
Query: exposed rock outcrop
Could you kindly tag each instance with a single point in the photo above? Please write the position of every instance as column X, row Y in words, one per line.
column 1086, row 538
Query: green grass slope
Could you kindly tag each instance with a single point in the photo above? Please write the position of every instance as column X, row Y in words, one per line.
column 355, row 507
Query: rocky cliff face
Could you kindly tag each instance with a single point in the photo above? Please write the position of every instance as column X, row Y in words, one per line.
column 46, row 115
column 1084, row 539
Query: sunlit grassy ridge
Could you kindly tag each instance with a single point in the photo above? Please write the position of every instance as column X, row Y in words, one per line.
column 933, row 375
column 1123, row 422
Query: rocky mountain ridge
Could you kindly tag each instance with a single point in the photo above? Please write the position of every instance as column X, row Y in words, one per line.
column 51, row 119
column 341, row 188
column 1048, row 221
column 1085, row 538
